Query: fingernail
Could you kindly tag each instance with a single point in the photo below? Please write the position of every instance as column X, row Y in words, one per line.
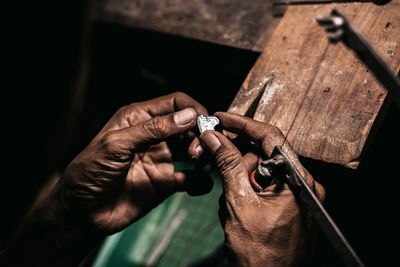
column 184, row 116
column 198, row 150
column 210, row 141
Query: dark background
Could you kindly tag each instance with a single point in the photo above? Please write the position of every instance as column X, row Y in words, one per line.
column 129, row 65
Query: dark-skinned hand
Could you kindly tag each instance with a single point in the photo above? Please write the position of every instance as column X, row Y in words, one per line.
column 261, row 228
column 125, row 171
column 128, row 168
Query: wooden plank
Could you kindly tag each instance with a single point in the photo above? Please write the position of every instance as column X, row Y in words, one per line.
column 319, row 94
column 242, row 24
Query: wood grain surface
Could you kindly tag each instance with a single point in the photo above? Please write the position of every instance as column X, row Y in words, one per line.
column 322, row 97
column 237, row 23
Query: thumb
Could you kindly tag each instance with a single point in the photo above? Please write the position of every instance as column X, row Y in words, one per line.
column 229, row 162
column 158, row 128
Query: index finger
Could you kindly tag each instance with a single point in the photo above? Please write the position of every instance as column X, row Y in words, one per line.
column 134, row 113
column 171, row 103
column 230, row 164
column 174, row 102
column 266, row 136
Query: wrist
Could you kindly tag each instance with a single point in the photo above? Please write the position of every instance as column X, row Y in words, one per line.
column 67, row 226
column 269, row 252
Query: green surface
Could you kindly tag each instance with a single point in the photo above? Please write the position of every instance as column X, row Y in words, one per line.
column 179, row 232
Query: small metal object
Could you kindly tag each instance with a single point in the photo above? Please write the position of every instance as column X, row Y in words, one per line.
column 280, row 167
column 266, row 171
column 207, row 123
column 340, row 29
column 314, row 2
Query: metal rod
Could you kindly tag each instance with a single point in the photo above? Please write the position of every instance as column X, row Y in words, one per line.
column 357, row 42
column 306, row 196
column 344, row 31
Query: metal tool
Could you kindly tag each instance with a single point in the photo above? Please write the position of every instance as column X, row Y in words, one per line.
column 207, row 123
column 280, row 167
column 315, row 2
column 340, row 29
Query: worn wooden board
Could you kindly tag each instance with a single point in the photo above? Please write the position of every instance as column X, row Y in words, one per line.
column 242, row 24
column 319, row 94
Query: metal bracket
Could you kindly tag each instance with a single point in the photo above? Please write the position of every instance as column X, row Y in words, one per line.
column 340, row 29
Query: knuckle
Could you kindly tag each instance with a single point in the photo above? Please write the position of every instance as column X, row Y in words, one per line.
column 113, row 147
column 180, row 94
column 271, row 137
column 271, row 131
column 275, row 131
column 155, row 127
column 229, row 163
column 108, row 141
column 127, row 111
column 122, row 111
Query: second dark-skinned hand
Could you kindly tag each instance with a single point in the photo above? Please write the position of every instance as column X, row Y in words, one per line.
column 263, row 228
column 128, row 167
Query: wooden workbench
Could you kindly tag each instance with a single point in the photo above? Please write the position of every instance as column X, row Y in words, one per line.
column 242, row 24
column 323, row 98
